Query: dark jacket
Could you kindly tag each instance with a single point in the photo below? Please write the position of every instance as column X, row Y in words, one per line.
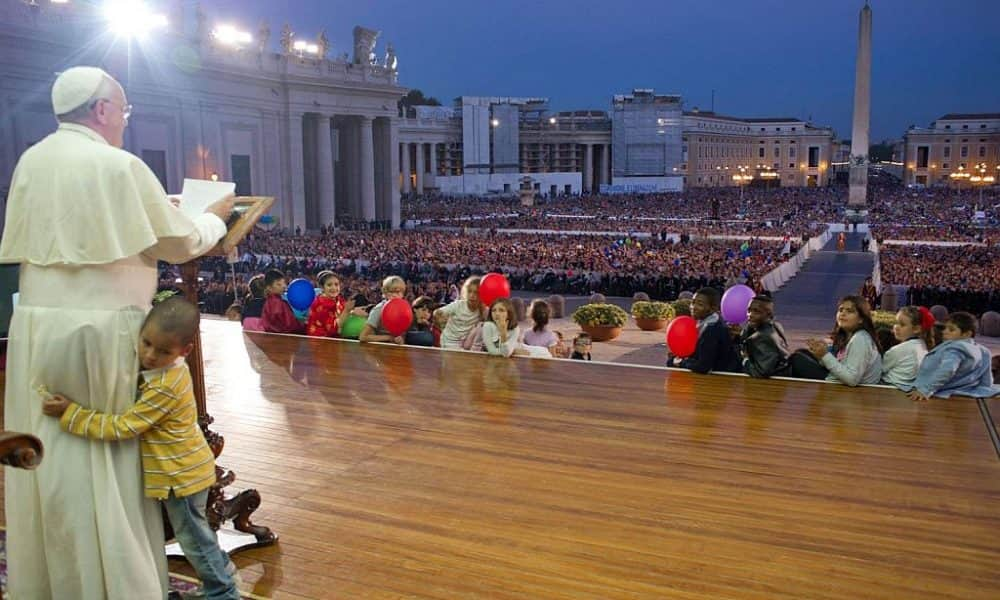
column 765, row 350
column 714, row 352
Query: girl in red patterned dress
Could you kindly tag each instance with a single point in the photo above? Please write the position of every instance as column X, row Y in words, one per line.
column 329, row 310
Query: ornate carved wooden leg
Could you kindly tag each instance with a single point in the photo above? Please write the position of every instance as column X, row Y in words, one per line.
column 238, row 507
column 221, row 508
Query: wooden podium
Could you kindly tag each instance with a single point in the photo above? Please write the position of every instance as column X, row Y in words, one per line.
column 223, row 507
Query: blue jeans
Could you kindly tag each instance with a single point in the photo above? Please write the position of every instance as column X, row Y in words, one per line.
column 201, row 546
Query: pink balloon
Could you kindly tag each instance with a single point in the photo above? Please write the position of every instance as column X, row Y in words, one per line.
column 682, row 336
column 397, row 316
column 493, row 286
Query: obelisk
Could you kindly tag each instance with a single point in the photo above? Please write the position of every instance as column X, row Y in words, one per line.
column 862, row 110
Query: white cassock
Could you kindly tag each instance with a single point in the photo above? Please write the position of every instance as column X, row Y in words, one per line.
column 87, row 223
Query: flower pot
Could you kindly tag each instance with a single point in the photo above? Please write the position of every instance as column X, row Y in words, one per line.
column 602, row 333
column 651, row 324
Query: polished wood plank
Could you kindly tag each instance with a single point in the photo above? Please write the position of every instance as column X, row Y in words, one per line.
column 428, row 474
column 409, row 473
column 993, row 405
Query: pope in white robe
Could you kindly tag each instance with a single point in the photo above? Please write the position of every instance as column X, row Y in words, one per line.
column 87, row 222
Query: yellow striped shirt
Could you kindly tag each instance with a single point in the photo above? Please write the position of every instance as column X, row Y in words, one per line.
column 175, row 455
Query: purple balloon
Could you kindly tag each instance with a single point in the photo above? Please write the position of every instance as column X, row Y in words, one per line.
column 735, row 302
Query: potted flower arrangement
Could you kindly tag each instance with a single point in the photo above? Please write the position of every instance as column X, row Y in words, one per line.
column 602, row 321
column 883, row 318
column 681, row 306
column 652, row 316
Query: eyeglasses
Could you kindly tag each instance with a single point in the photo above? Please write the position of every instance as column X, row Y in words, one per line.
column 125, row 108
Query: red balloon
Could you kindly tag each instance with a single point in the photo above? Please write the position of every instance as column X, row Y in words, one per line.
column 397, row 316
column 493, row 286
column 682, row 336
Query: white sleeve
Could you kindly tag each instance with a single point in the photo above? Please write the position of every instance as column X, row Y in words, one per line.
column 852, row 369
column 491, row 340
column 208, row 230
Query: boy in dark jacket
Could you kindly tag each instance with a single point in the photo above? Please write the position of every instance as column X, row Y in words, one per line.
column 714, row 351
column 762, row 342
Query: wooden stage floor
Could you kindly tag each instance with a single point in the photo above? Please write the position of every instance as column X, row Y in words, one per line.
column 409, row 473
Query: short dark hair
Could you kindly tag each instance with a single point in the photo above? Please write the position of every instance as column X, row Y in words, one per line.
column 423, row 302
column 712, row 295
column 175, row 316
column 965, row 322
column 767, row 302
column 271, row 276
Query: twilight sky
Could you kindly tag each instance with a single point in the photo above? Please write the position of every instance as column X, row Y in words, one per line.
column 762, row 57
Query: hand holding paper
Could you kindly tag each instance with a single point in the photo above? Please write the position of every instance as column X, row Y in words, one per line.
column 201, row 196
column 223, row 208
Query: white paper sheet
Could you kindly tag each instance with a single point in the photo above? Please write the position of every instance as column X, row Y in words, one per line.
column 198, row 194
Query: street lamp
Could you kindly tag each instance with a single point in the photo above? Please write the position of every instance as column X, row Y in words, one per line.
column 547, row 160
column 958, row 176
column 302, row 47
column 981, row 179
column 768, row 175
column 229, row 35
column 742, row 179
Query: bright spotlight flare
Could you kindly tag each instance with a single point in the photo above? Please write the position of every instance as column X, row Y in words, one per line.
column 304, row 47
column 229, row 35
column 132, row 18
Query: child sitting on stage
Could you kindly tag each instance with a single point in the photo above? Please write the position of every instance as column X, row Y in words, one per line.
column 581, row 347
column 329, row 311
column 714, row 350
column 501, row 336
column 178, row 465
column 253, row 304
column 957, row 366
column 393, row 286
column 277, row 316
column 914, row 333
column 422, row 331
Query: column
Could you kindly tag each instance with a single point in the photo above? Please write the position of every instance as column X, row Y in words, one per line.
column 588, row 168
column 367, row 170
column 324, row 170
column 420, row 168
column 430, row 180
column 294, row 212
column 407, row 186
column 858, row 176
column 394, row 208
column 605, row 163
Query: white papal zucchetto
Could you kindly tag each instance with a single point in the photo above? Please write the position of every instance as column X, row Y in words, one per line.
column 74, row 87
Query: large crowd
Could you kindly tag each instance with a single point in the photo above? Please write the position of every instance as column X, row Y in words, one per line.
column 958, row 277
column 435, row 261
column 662, row 247
column 776, row 212
column 934, row 214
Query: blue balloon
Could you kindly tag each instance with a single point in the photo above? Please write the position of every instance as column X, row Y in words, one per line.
column 301, row 294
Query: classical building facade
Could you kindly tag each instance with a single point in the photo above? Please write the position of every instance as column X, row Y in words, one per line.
column 782, row 150
column 953, row 151
column 323, row 134
column 484, row 145
column 646, row 142
column 317, row 132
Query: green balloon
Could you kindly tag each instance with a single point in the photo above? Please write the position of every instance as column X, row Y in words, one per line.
column 352, row 327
